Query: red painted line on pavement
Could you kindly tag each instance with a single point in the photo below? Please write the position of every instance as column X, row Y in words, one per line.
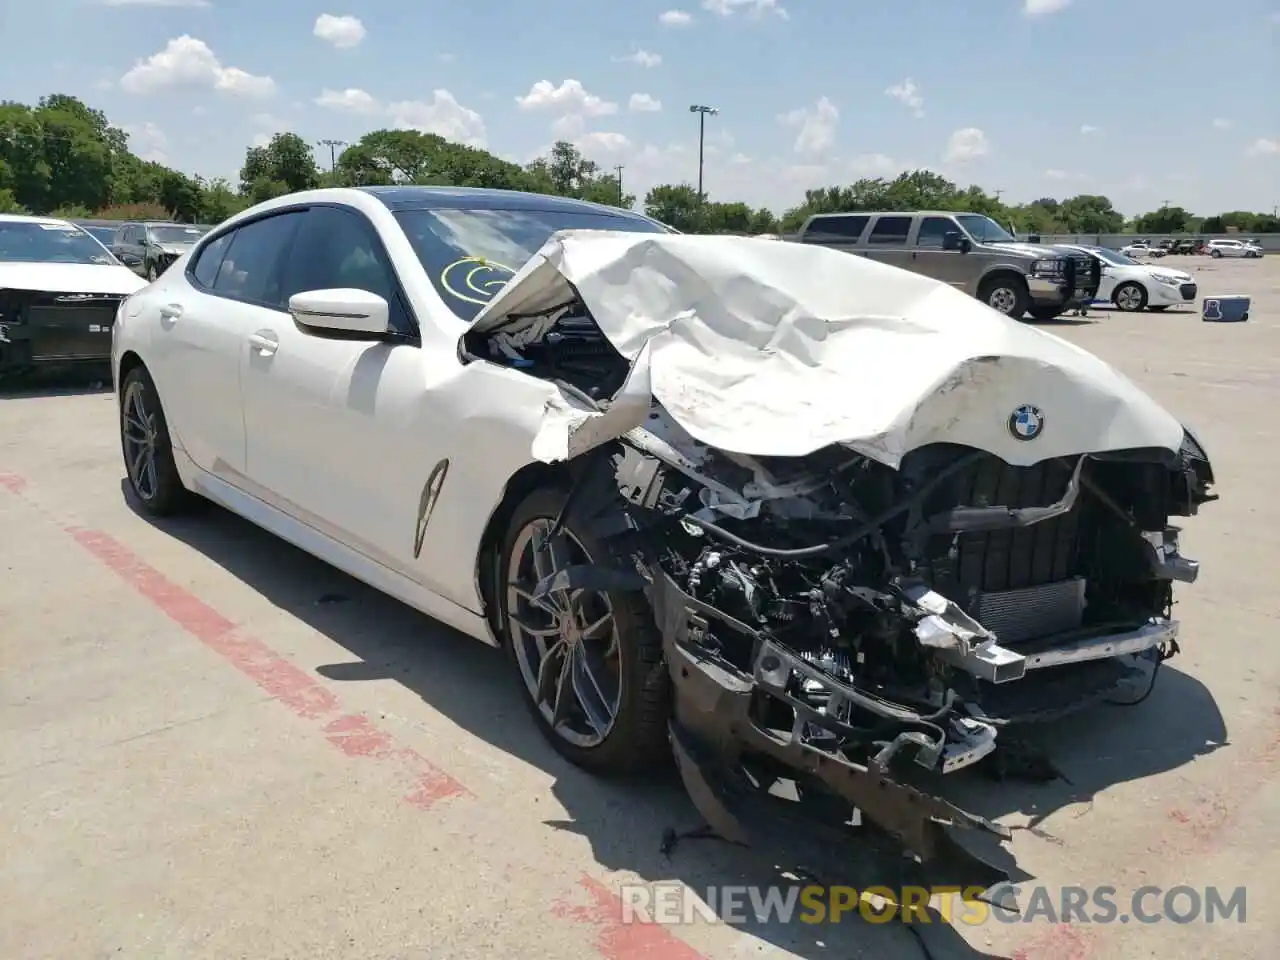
column 616, row 940
column 13, row 483
column 1059, row 942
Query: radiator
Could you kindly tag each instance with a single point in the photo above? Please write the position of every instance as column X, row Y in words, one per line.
column 1027, row 613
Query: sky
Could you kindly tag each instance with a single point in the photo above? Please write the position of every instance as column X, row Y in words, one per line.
column 1145, row 101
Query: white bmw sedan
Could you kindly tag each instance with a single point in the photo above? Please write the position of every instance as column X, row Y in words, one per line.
column 717, row 496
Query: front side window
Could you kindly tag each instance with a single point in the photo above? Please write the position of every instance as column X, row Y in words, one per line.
column 470, row 254
column 35, row 241
column 932, row 230
column 209, row 259
column 984, row 229
column 338, row 249
column 252, row 269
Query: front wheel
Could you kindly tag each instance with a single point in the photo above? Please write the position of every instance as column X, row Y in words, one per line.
column 1007, row 294
column 152, row 273
column 148, row 453
column 589, row 660
column 1130, row 297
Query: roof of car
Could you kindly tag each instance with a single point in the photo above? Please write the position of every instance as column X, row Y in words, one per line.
column 482, row 198
column 24, row 218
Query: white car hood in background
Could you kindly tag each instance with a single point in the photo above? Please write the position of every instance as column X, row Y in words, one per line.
column 783, row 348
column 70, row 277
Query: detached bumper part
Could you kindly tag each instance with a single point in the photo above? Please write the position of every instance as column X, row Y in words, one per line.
column 715, row 734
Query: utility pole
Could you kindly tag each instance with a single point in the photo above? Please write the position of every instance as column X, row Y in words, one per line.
column 1164, row 204
column 998, row 193
column 702, row 112
column 619, row 168
column 333, row 147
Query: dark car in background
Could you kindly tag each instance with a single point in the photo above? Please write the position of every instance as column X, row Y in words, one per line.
column 149, row 247
column 104, row 231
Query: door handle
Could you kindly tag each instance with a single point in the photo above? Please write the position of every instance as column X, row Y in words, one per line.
column 170, row 311
column 264, row 341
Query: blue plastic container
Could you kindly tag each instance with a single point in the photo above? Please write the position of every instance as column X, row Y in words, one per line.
column 1226, row 308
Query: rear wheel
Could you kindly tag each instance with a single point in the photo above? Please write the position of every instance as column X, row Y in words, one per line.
column 589, row 660
column 1130, row 297
column 1216, row 254
column 1006, row 293
column 148, row 453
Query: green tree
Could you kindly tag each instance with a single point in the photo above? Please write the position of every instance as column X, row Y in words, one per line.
column 675, row 205
column 1164, row 220
column 285, row 165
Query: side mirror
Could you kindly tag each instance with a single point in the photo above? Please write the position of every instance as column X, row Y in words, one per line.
column 342, row 314
column 955, row 240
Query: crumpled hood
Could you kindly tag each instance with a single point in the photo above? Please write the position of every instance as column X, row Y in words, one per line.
column 783, row 348
column 70, row 277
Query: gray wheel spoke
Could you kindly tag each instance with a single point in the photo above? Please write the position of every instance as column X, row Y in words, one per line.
column 563, row 697
column 549, row 672
column 150, row 473
column 600, row 629
column 586, row 689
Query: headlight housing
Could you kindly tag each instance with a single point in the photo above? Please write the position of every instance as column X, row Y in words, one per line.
column 1049, row 269
column 1166, row 278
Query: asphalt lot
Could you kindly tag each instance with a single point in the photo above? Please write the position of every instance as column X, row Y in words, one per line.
column 216, row 746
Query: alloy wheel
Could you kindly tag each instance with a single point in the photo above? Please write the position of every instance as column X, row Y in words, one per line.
column 566, row 642
column 1129, row 297
column 139, row 433
column 1002, row 299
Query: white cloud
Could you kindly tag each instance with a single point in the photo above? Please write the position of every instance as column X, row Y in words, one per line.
column 442, row 114
column 874, row 165
column 569, row 97
column 817, row 126
column 603, row 144
column 643, row 103
column 755, row 8
column 1042, row 8
column 675, row 18
column 260, row 139
column 641, row 58
column 1086, row 129
column 155, row 3
column 269, row 121
column 342, row 31
column 1056, row 175
column 1263, row 147
column 149, row 142
column 969, row 143
column 1221, row 123
column 908, row 94
column 188, row 63
column 350, row 100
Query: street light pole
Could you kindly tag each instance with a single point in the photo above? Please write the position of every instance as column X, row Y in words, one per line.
column 702, row 112
column 333, row 156
column 619, row 168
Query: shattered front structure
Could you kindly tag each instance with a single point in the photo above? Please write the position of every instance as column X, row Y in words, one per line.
column 874, row 521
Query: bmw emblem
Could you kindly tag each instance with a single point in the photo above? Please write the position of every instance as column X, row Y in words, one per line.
column 1026, row 423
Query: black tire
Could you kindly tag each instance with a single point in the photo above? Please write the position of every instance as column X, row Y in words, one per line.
column 1010, row 291
column 159, row 492
column 1130, row 297
column 1216, row 254
column 153, row 273
column 638, row 738
column 1045, row 314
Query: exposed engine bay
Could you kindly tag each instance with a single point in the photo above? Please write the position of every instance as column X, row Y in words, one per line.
column 848, row 626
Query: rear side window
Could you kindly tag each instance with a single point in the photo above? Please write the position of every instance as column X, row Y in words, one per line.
column 890, row 231
column 209, row 260
column 836, row 229
column 252, row 268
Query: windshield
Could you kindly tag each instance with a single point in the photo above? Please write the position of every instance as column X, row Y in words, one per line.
column 984, row 229
column 178, row 233
column 104, row 234
column 471, row 254
column 1115, row 256
column 26, row 241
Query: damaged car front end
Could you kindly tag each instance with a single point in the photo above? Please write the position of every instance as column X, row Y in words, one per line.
column 929, row 524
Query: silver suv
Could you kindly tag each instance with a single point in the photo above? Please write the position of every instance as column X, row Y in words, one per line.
column 966, row 250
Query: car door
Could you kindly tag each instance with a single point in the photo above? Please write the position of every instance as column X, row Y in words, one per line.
column 887, row 241
column 337, row 430
column 207, row 318
column 929, row 258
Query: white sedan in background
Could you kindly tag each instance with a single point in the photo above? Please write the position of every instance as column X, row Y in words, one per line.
column 1232, row 248
column 1134, row 286
column 1141, row 248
